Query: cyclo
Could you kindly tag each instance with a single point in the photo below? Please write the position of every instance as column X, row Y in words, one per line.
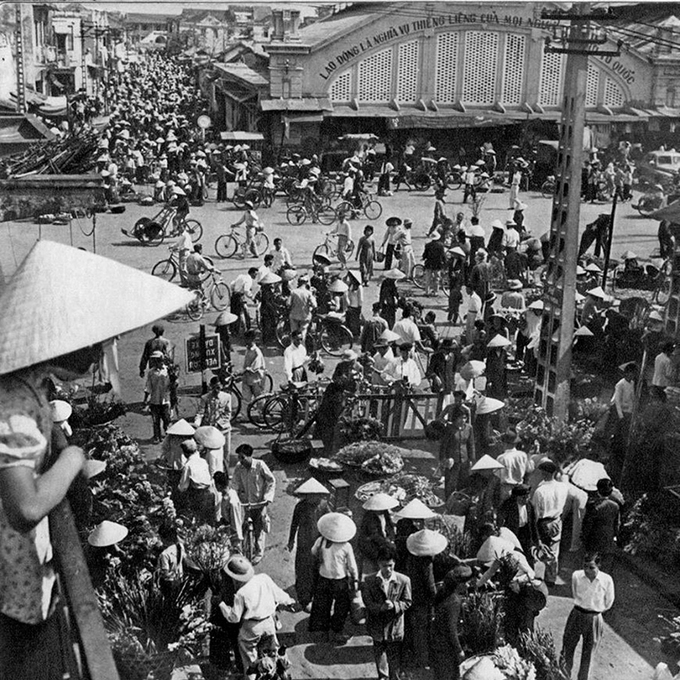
column 152, row 231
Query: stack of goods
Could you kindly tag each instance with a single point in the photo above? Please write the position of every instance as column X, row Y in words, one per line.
column 375, row 458
column 404, row 487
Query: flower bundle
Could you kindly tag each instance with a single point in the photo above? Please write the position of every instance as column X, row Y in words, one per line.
column 360, row 429
column 538, row 647
column 482, row 622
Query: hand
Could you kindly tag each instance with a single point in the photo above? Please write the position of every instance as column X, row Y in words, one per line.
column 387, row 606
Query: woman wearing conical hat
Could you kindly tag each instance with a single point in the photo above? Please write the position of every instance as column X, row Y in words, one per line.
column 61, row 309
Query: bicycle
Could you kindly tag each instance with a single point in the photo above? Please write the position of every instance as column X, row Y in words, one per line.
column 217, row 297
column 316, row 209
column 168, row 268
column 229, row 381
column 248, row 546
column 420, row 281
column 325, row 331
column 153, row 231
column 228, row 245
column 549, row 187
column 327, row 248
column 293, row 408
column 371, row 208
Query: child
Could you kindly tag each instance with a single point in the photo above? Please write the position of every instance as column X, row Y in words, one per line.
column 366, row 254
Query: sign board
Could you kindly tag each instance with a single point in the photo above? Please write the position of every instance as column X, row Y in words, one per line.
column 193, row 353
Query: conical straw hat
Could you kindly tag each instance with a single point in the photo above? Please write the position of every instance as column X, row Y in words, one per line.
column 311, row 486
column 337, row 527
column 489, row 405
column 486, row 462
column 62, row 299
column 472, row 369
column 107, row 533
column 415, row 509
column 209, row 437
column 380, row 501
column 181, row 428
column 426, row 543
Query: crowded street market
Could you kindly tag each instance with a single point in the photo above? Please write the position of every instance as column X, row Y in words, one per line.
column 367, row 382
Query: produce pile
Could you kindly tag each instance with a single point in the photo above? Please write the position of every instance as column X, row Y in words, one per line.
column 71, row 155
column 404, row 487
column 504, row 664
column 375, row 458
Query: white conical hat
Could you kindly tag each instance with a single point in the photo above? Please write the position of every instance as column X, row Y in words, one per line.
column 311, row 486
column 107, row 533
column 498, row 341
column 472, row 369
column 415, row 509
column 583, row 332
column 486, row 462
column 337, row 527
column 380, row 501
column 426, row 543
column 597, row 292
column 181, row 428
column 270, row 278
column 62, row 299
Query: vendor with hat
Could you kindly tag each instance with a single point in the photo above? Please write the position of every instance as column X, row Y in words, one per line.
column 272, row 306
column 222, row 324
column 196, row 498
column 58, row 314
column 496, row 367
column 215, row 410
column 171, row 450
column 309, row 509
column 422, row 546
column 337, row 574
column 376, row 529
column 390, row 240
column 254, row 608
column 595, row 301
column 389, row 295
column 212, row 444
column 103, row 550
column 446, row 651
column 348, row 371
column 456, row 451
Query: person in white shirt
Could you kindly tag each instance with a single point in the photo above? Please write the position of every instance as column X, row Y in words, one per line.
column 474, row 307
column 343, row 231
column 406, row 328
column 510, row 236
column 593, row 593
column 515, row 464
column 381, row 359
column 403, row 368
column 241, row 290
column 294, row 358
column 254, row 608
column 252, row 223
column 664, row 373
column 183, row 246
column 620, row 418
column 406, row 242
column 550, row 501
column 195, row 483
column 281, row 256
column 301, row 306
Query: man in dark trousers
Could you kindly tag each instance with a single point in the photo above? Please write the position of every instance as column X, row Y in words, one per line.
column 434, row 259
column 517, row 514
column 601, row 524
column 157, row 344
column 387, row 596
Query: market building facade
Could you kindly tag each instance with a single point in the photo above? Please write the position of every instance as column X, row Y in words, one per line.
column 452, row 73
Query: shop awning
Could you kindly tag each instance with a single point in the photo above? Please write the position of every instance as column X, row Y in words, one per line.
column 307, row 104
column 239, row 136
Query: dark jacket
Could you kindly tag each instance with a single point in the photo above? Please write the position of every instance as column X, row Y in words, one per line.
column 447, row 613
column 386, row 626
column 600, row 525
column 420, row 571
column 434, row 255
column 371, row 534
column 508, row 516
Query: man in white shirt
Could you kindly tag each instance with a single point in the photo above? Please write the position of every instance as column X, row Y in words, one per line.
column 620, row 417
column 255, row 603
column 514, row 463
column 550, row 501
column 663, row 366
column 281, row 256
column 294, row 358
column 403, row 368
column 406, row 328
column 381, row 359
column 343, row 231
column 194, row 485
column 474, row 307
column 255, row 484
column 301, row 306
column 241, row 290
column 593, row 593
column 510, row 236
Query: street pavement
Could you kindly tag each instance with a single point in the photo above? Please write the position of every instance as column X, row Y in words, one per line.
column 628, row 650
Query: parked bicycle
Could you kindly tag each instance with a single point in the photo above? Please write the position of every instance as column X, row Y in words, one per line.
column 249, row 547
column 312, row 208
column 230, row 380
column 152, row 231
column 328, row 247
column 549, row 187
column 168, row 268
column 228, row 245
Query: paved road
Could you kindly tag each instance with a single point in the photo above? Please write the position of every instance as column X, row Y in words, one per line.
column 628, row 648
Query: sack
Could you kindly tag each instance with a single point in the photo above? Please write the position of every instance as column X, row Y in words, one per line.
column 379, row 256
column 357, row 609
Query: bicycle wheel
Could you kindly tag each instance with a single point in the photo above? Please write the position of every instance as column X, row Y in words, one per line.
column 261, row 243
column 345, row 209
column 255, row 410
column 165, row 269
column 418, row 275
column 238, row 199
column 195, row 229
column 326, row 215
column 219, row 296
column 226, row 246
column 283, row 333
column 373, row 210
column 296, row 214
column 255, row 197
column 422, row 182
column 548, row 189
column 195, row 307
column 454, row 182
column 267, row 382
column 336, row 339
column 154, row 234
column 236, row 401
column 275, row 412
column 323, row 249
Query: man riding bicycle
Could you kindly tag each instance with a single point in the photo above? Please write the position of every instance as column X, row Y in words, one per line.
column 180, row 203
column 196, row 265
column 252, row 224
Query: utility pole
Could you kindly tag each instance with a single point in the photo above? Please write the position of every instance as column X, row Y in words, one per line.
column 21, row 80
column 557, row 330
